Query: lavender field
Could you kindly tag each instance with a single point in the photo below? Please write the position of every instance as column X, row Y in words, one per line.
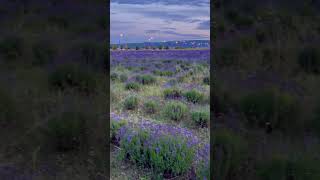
column 160, row 116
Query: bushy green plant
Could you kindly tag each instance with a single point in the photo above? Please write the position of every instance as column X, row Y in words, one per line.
column 72, row 76
column 309, row 59
column 258, row 107
column 114, row 76
column 131, row 102
column 194, row 96
column 12, row 47
column 67, row 131
column 226, row 57
column 90, row 52
column 280, row 167
column 172, row 93
column 44, row 52
column 59, row 21
column 132, row 86
column 280, row 109
column 229, row 150
column 151, row 107
column 206, row 80
column 8, row 110
column 123, row 77
column 163, row 73
column 146, row 79
column 175, row 110
column 201, row 117
column 166, row 155
column 315, row 124
column 115, row 126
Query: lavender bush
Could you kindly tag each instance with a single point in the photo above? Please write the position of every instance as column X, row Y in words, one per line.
column 167, row 150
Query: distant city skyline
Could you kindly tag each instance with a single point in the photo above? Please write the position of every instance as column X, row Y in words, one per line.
column 136, row 21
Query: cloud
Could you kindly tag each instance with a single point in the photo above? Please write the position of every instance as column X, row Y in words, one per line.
column 171, row 16
column 205, row 25
column 140, row 19
column 169, row 28
column 152, row 31
column 184, row 34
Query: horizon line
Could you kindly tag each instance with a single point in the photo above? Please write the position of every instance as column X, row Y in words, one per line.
column 160, row 41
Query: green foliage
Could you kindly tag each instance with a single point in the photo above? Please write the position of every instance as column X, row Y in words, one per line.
column 280, row 109
column 239, row 19
column 59, row 21
column 151, row 107
column 72, row 76
column 163, row 73
column 201, row 117
column 115, row 126
column 226, row 57
column 67, row 130
column 280, row 167
column 132, row 86
column 175, row 110
column 44, row 52
column 167, row 154
column 146, row 79
column 206, row 80
column 316, row 119
column 229, row 150
column 90, row 52
column 194, row 96
column 131, row 102
column 123, row 77
column 172, row 93
column 114, row 76
column 309, row 59
column 12, row 47
column 8, row 109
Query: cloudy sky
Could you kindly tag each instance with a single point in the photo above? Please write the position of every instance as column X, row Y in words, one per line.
column 159, row 20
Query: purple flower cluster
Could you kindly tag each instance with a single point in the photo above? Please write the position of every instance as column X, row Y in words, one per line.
column 132, row 57
column 158, row 130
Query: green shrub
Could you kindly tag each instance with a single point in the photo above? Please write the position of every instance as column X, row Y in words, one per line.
column 90, row 52
column 285, row 168
column 123, row 77
column 132, row 86
column 269, row 106
column 12, row 47
column 114, row 76
column 194, row 96
column 151, row 107
column 59, row 21
column 175, row 110
column 309, row 59
column 201, row 117
column 8, row 110
column 167, row 154
column 206, row 80
column 72, row 76
column 146, row 79
column 44, row 52
column 163, row 73
column 131, row 102
column 229, row 151
column 172, row 93
column 115, row 126
column 226, row 57
column 67, row 131
column 315, row 124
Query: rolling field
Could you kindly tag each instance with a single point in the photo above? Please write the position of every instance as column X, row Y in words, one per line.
column 160, row 118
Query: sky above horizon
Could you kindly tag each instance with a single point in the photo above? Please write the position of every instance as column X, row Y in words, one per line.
column 159, row 20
